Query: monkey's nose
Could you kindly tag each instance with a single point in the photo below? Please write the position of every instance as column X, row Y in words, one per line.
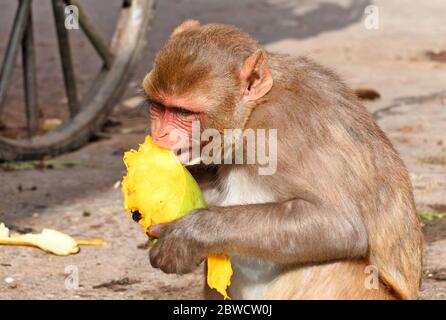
column 136, row 216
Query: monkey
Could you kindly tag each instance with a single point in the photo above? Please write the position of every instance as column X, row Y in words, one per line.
column 339, row 203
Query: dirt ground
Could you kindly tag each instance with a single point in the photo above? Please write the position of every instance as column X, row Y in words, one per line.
column 84, row 202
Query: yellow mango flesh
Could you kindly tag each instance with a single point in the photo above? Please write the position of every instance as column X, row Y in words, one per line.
column 161, row 189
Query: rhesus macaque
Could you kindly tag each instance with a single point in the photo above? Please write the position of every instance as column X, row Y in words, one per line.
column 340, row 202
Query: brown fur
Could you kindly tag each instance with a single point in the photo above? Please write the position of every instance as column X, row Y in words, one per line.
column 341, row 191
column 339, row 280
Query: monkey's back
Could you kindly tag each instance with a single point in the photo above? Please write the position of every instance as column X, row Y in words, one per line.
column 335, row 139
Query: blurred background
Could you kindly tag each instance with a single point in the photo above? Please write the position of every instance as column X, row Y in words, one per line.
column 398, row 69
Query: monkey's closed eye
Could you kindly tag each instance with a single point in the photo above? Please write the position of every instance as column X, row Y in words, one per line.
column 184, row 112
column 156, row 105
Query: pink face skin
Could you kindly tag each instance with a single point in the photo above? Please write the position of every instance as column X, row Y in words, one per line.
column 171, row 125
column 172, row 117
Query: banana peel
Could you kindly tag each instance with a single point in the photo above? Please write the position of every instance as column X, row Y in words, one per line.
column 161, row 189
column 49, row 240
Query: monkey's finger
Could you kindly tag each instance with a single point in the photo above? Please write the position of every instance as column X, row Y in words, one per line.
column 158, row 230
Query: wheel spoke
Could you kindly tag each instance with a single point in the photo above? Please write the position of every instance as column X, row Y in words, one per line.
column 65, row 55
column 93, row 34
column 126, row 45
column 29, row 77
column 18, row 29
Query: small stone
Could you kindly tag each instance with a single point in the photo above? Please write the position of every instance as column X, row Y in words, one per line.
column 9, row 280
column 51, row 124
column 13, row 285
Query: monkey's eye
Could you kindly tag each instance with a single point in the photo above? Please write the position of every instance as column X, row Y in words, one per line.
column 156, row 105
column 184, row 112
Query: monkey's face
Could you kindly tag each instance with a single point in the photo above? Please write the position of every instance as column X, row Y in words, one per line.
column 177, row 121
column 199, row 83
column 183, row 105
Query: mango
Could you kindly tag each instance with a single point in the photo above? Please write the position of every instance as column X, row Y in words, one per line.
column 161, row 189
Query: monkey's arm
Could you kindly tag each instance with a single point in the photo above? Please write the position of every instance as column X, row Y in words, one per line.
column 294, row 231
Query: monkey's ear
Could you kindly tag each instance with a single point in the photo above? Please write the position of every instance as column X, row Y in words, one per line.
column 256, row 79
column 184, row 26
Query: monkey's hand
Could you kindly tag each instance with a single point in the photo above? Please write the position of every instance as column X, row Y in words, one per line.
column 179, row 248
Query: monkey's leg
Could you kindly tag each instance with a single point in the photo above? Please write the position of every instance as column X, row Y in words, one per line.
column 344, row 280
